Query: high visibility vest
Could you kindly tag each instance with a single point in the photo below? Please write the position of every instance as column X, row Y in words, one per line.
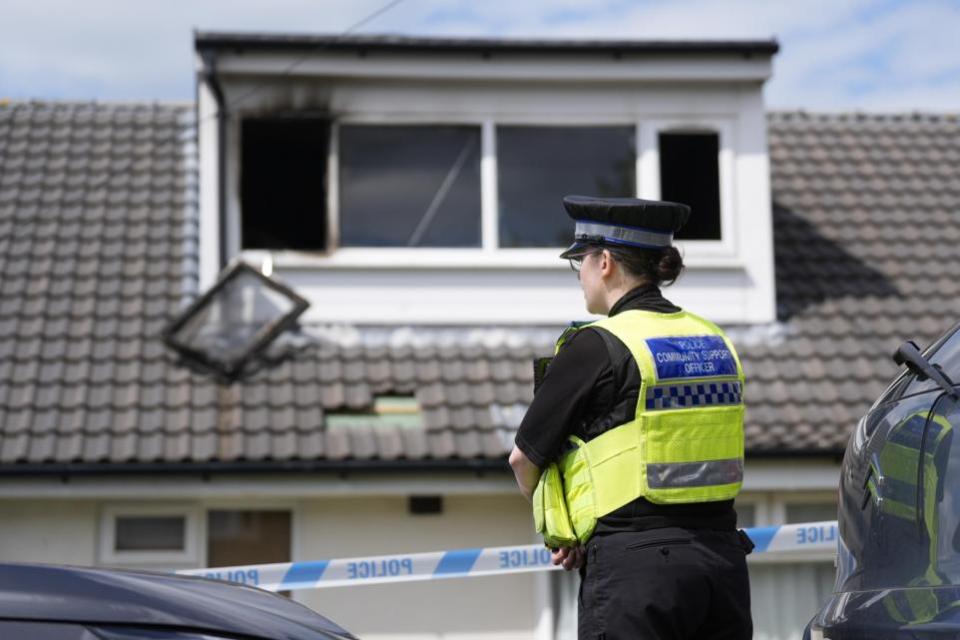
column 683, row 445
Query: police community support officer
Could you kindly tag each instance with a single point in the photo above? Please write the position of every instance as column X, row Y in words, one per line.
column 641, row 415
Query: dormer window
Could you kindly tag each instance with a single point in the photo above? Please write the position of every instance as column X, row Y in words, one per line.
column 422, row 185
column 426, row 176
column 417, row 186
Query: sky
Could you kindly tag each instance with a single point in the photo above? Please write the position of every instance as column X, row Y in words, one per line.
column 836, row 55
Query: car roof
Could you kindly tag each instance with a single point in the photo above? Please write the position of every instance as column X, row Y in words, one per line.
column 107, row 596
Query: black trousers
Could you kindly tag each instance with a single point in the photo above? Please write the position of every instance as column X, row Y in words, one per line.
column 665, row 584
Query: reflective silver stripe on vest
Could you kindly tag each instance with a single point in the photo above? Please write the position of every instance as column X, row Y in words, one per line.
column 625, row 235
column 694, row 474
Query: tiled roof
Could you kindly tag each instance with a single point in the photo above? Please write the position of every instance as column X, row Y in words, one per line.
column 98, row 249
column 867, row 236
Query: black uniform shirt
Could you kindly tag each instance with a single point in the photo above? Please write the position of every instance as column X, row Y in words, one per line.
column 584, row 383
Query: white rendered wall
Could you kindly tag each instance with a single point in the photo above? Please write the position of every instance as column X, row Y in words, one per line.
column 59, row 532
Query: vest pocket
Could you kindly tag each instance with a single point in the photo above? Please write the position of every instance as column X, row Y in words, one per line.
column 693, row 455
column 550, row 514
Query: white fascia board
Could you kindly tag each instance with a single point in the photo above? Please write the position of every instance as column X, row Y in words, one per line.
column 539, row 296
column 791, row 474
column 256, row 486
column 350, row 259
column 682, row 68
column 209, row 198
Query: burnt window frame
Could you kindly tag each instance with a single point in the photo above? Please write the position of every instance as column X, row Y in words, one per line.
column 235, row 171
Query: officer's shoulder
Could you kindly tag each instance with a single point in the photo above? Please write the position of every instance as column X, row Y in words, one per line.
column 585, row 338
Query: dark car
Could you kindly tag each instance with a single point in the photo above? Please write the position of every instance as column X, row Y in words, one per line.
column 46, row 602
column 898, row 568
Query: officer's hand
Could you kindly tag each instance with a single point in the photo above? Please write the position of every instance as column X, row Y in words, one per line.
column 569, row 557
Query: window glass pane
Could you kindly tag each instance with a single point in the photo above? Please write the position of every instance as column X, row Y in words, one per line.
column 283, row 189
column 897, row 387
column 690, row 173
column 813, row 512
column 537, row 166
column 247, row 537
column 150, row 533
column 409, row 186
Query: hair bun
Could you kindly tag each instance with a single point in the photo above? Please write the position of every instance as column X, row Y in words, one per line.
column 669, row 266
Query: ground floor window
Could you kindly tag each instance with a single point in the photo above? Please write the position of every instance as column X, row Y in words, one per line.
column 148, row 535
column 236, row 537
column 180, row 536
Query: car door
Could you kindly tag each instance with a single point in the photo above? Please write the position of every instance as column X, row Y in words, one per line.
column 880, row 540
column 899, row 561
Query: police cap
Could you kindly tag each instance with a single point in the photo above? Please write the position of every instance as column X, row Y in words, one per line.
column 624, row 222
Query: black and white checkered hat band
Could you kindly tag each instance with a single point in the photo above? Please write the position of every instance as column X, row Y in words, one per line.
column 624, row 235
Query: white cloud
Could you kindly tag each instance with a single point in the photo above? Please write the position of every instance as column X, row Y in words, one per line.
column 836, row 54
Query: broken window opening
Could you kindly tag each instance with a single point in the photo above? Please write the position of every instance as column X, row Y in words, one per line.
column 283, row 191
column 690, row 174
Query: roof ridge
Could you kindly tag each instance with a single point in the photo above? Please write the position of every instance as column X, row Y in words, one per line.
column 858, row 115
column 105, row 104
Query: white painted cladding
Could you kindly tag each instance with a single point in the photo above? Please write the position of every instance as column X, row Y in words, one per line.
column 729, row 281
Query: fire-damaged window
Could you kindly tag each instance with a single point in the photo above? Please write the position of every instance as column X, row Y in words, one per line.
column 537, row 166
column 409, row 186
column 283, row 191
column 690, row 173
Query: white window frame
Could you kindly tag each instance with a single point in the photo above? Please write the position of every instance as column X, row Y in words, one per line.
column 648, row 173
column 489, row 254
column 191, row 532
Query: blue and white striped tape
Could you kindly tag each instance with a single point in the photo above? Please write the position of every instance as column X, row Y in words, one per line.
column 290, row 576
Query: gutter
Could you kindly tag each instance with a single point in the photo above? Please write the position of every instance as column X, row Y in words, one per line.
column 210, row 75
column 343, row 468
column 240, row 41
column 478, row 466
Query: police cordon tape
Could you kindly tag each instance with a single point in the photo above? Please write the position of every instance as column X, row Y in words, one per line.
column 490, row 561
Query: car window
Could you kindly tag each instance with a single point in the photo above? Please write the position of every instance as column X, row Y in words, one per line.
column 896, row 388
column 940, row 482
column 945, row 352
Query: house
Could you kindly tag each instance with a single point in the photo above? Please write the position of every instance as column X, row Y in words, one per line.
column 390, row 181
